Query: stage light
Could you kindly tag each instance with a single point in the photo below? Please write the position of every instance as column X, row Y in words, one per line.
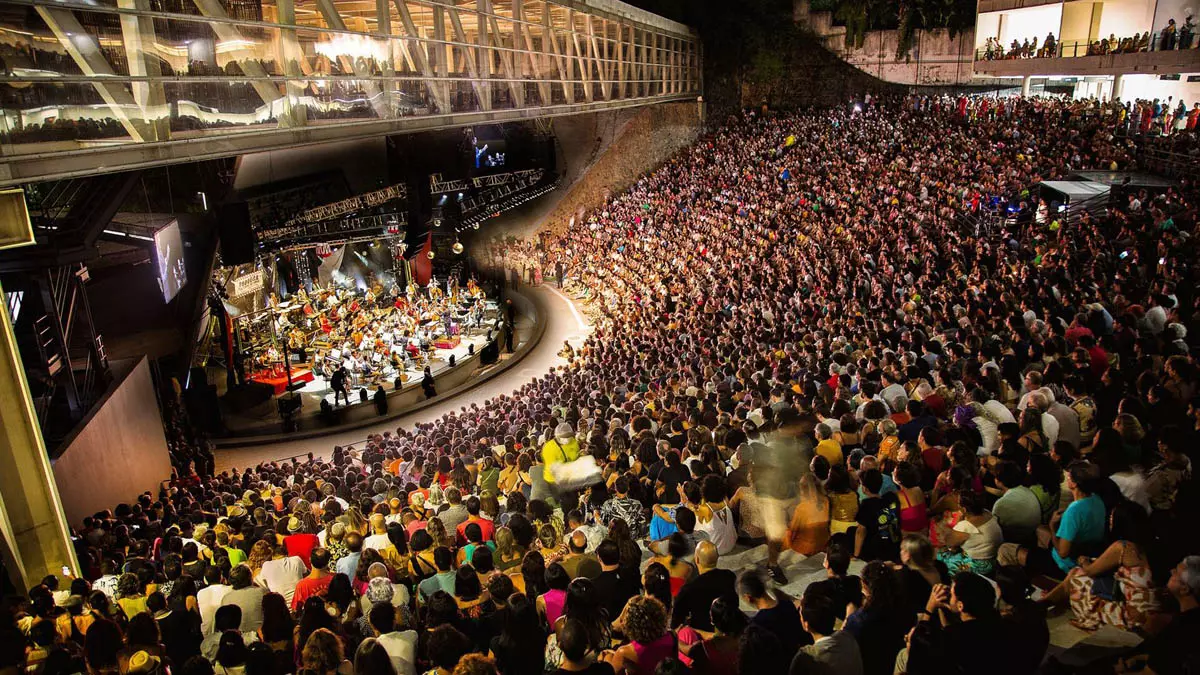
column 460, row 197
column 429, row 255
column 476, row 226
column 457, row 248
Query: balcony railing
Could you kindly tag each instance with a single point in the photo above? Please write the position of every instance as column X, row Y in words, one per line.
column 1076, row 48
column 89, row 77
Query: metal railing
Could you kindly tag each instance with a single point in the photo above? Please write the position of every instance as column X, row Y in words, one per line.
column 1067, row 49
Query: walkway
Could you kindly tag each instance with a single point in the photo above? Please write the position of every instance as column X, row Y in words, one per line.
column 564, row 322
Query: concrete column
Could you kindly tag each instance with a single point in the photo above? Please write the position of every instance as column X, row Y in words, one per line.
column 1117, row 85
column 33, row 527
column 1026, row 85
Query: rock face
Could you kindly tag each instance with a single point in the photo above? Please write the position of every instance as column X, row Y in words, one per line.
column 934, row 58
column 603, row 154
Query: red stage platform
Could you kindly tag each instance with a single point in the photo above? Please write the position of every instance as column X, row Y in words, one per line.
column 278, row 380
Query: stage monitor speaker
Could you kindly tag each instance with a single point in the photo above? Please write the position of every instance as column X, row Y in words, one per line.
column 490, row 353
column 237, row 239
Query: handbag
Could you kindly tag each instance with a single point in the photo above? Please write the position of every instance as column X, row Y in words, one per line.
column 1107, row 587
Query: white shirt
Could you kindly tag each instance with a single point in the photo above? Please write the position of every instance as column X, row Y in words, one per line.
column 201, row 548
column 890, row 393
column 377, row 542
column 1050, row 426
column 1000, row 412
column 989, row 433
column 209, row 599
column 1133, row 487
column 402, row 647
column 281, row 576
column 982, row 541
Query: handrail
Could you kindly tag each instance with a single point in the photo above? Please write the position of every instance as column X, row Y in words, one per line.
column 1075, row 48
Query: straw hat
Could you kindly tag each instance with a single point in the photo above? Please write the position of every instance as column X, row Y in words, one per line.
column 142, row 662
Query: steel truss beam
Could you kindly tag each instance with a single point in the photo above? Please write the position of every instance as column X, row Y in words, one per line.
column 401, row 65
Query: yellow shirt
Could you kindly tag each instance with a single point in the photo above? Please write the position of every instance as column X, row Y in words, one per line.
column 830, row 450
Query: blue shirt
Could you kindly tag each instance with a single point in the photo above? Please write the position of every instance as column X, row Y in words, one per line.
column 888, row 485
column 348, row 565
column 1082, row 523
column 442, row 581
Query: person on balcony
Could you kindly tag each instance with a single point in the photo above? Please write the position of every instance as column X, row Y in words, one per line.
column 1167, row 41
column 1187, row 33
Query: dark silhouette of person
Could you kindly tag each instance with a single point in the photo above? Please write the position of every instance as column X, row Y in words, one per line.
column 338, row 384
column 427, row 384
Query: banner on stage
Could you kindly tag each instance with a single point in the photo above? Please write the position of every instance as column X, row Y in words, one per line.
column 248, row 283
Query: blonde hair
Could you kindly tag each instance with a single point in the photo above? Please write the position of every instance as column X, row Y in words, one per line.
column 260, row 553
column 437, row 531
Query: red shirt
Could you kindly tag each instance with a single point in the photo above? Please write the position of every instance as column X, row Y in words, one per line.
column 307, row 588
column 301, row 545
column 934, row 458
column 1099, row 359
column 486, row 526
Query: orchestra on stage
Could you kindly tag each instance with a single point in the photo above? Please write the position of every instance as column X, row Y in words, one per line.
column 367, row 336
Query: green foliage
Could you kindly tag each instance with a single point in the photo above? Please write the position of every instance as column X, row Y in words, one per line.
column 955, row 16
column 855, row 15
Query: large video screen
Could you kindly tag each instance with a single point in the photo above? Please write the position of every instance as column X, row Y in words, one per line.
column 488, row 155
column 172, row 274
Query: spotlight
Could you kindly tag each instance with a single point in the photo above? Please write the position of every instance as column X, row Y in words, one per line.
column 457, row 248
column 475, row 225
column 429, row 255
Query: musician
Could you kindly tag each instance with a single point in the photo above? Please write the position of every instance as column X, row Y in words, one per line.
column 297, row 343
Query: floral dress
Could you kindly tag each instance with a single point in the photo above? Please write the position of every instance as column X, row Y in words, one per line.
column 1135, row 595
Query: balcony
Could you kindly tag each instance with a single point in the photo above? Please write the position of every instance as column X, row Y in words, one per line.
column 986, row 6
column 1080, row 58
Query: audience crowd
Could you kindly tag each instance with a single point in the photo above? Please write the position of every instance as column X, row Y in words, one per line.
column 800, row 347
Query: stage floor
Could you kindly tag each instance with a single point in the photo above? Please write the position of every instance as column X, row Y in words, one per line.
column 319, row 387
column 564, row 323
column 264, row 419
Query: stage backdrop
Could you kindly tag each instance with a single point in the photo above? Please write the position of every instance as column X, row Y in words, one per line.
column 118, row 452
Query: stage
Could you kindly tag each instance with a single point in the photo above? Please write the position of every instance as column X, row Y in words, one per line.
column 279, row 381
column 249, row 425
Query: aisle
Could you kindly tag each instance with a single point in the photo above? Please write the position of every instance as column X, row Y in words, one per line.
column 564, row 322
